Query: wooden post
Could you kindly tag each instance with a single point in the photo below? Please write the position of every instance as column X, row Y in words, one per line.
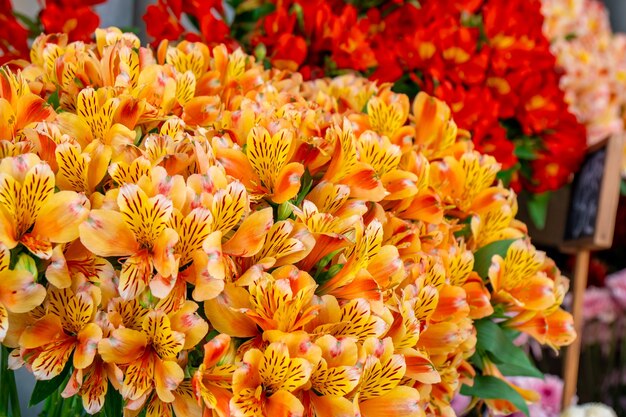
column 572, row 354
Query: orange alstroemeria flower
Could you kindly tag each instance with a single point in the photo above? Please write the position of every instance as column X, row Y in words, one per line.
column 517, row 279
column 379, row 391
column 213, row 380
column 19, row 293
column 19, row 108
column 140, row 232
column 147, row 356
column 31, row 213
column 266, row 382
column 335, row 376
column 66, row 328
column 265, row 169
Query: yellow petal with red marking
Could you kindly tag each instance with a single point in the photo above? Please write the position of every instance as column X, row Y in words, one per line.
column 229, row 205
column 37, row 189
column 94, row 387
column 51, row 358
column 166, row 343
column 4, row 322
column 146, row 217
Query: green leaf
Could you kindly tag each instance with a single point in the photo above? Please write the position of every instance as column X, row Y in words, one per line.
column 113, row 402
column 511, row 360
column 482, row 257
column 327, row 275
column 54, row 100
column 306, row 182
column 43, row 389
column 524, row 152
column 506, row 175
column 538, row 208
column 623, row 187
column 490, row 387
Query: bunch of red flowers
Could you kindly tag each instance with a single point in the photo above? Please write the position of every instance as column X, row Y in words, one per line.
column 76, row 18
column 488, row 59
column 13, row 36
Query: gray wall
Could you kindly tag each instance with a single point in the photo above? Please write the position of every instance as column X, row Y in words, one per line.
column 618, row 14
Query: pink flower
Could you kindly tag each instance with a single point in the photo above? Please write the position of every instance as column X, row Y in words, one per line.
column 599, row 305
column 549, row 389
column 617, row 284
column 459, row 403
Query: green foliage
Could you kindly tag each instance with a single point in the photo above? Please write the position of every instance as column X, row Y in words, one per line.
column 43, row 389
column 511, row 360
column 538, row 208
column 113, row 403
column 489, row 387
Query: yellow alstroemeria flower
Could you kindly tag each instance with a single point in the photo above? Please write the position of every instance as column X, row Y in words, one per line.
column 148, row 357
column 517, row 279
column 379, row 391
column 140, row 232
column 265, row 169
column 31, row 213
column 266, row 382
column 66, row 328
column 336, row 375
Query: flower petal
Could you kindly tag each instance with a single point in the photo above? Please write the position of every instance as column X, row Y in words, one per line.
column 105, row 233
column 249, row 238
column 167, row 376
column 401, row 401
column 122, row 346
column 19, row 293
column 87, row 345
column 60, row 217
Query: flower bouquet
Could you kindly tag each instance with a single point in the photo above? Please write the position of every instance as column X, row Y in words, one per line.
column 185, row 232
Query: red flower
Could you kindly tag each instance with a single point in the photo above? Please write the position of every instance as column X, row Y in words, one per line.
column 290, row 52
column 13, row 37
column 163, row 21
column 78, row 22
column 213, row 30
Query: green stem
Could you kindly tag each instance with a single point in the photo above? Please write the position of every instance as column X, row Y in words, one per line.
column 4, row 373
column 12, row 388
column 67, row 406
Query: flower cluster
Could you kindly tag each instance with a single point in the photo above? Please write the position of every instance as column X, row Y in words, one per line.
column 488, row 60
column 196, row 232
column 594, row 61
